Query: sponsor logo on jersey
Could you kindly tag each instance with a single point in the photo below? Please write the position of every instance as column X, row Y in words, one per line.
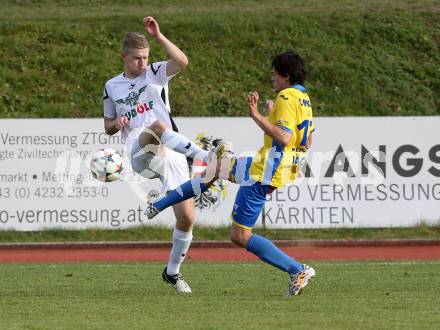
column 140, row 109
column 282, row 122
column 132, row 97
column 305, row 103
column 132, row 100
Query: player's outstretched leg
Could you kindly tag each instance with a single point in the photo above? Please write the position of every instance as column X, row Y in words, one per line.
column 177, row 142
column 151, row 211
column 189, row 189
column 268, row 252
column 181, row 144
column 247, row 207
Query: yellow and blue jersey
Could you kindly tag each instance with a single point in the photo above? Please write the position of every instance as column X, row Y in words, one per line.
column 273, row 166
column 277, row 166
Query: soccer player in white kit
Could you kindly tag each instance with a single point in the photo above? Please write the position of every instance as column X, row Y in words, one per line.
column 134, row 101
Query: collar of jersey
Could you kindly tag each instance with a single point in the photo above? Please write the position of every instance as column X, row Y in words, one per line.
column 299, row 87
column 130, row 79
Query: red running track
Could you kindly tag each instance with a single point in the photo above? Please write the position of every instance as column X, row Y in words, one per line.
column 204, row 253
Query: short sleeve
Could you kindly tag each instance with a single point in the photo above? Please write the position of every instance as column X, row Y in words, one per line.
column 159, row 70
column 285, row 112
column 109, row 105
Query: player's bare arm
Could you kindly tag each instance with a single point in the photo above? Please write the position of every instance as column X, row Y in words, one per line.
column 113, row 126
column 268, row 106
column 178, row 59
column 309, row 141
column 275, row 132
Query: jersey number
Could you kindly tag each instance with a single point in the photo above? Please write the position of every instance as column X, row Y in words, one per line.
column 304, row 126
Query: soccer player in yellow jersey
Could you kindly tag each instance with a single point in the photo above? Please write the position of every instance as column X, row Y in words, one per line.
column 287, row 136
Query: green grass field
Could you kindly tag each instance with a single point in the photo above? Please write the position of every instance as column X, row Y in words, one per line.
column 149, row 233
column 344, row 295
column 372, row 57
column 365, row 58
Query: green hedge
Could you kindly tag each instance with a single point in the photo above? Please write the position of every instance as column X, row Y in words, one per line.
column 364, row 57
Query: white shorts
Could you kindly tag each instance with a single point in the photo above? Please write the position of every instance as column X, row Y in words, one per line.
column 170, row 167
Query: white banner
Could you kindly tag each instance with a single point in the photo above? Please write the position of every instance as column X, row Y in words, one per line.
column 361, row 172
column 364, row 172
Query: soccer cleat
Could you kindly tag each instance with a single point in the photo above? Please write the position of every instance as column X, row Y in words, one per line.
column 176, row 281
column 222, row 149
column 299, row 280
column 151, row 211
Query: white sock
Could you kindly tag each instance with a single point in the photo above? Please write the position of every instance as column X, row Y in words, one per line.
column 181, row 242
column 183, row 145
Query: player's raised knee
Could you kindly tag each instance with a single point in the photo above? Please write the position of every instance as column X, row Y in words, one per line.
column 158, row 127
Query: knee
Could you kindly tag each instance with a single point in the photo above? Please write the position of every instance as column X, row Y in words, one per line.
column 239, row 237
column 237, row 241
column 158, row 127
column 185, row 222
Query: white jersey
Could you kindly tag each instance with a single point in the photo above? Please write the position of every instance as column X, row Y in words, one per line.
column 142, row 100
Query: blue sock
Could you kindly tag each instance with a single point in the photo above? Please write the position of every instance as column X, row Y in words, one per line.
column 268, row 252
column 189, row 189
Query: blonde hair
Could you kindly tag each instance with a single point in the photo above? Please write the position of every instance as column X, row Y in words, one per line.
column 134, row 40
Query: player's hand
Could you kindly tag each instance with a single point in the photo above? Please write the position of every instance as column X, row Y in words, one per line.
column 268, row 107
column 252, row 101
column 151, row 27
column 120, row 122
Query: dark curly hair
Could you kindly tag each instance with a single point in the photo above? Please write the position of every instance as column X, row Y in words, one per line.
column 290, row 64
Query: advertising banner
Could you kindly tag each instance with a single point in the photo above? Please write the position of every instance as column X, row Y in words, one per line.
column 360, row 172
column 364, row 172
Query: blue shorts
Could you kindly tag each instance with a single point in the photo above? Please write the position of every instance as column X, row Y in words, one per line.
column 249, row 203
column 251, row 195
